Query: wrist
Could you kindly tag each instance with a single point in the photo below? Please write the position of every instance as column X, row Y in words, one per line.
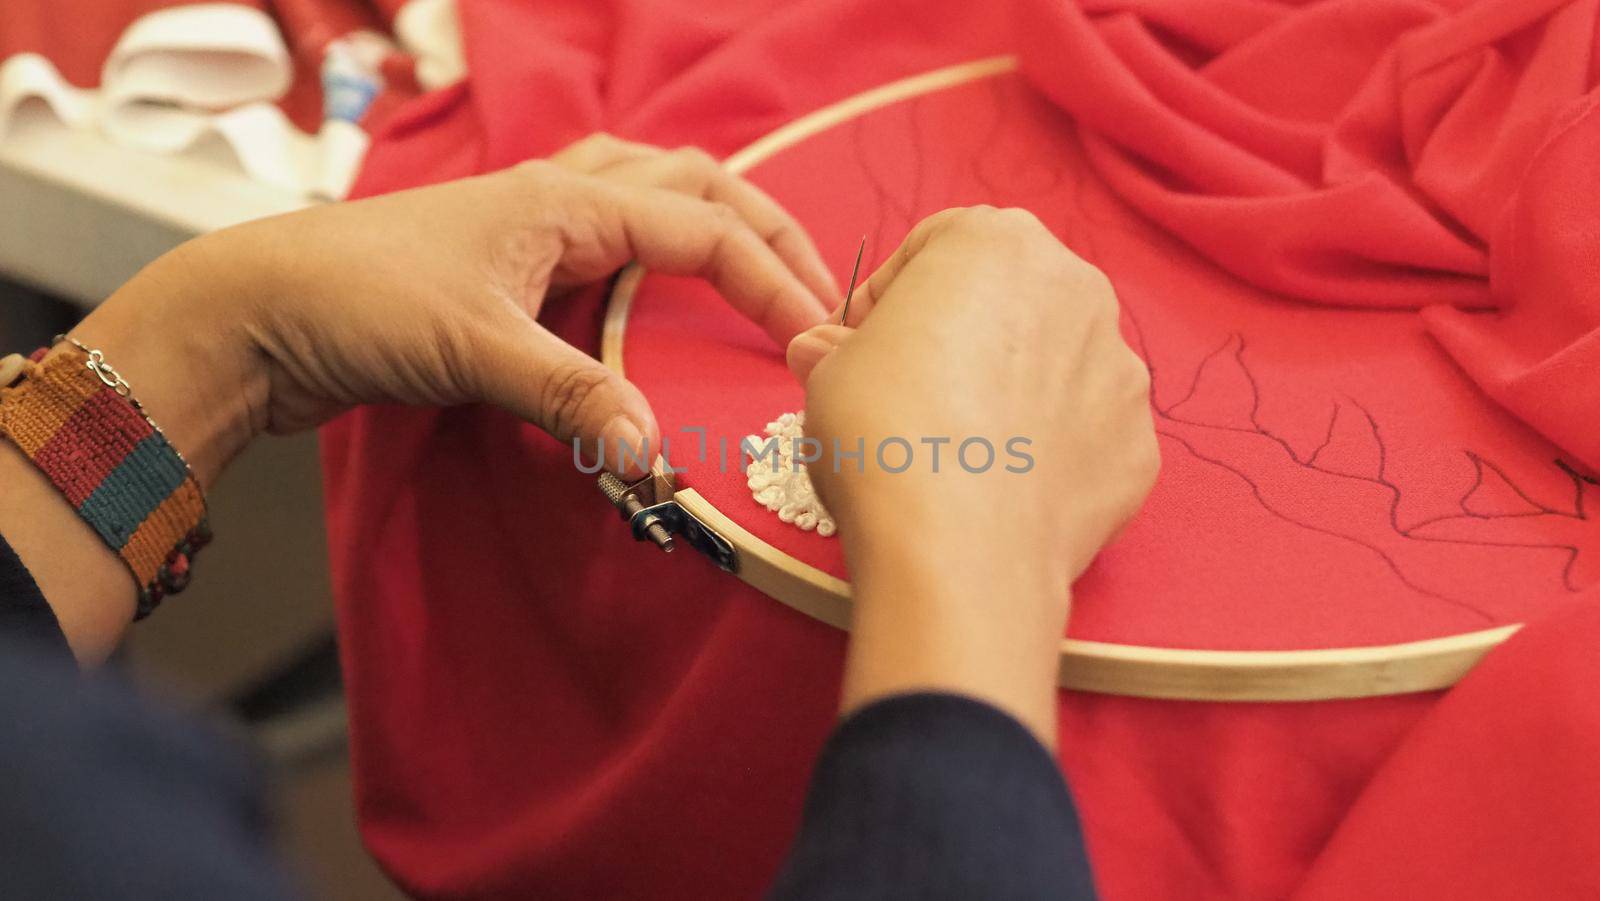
column 954, row 525
column 956, row 611
column 1005, row 582
column 179, row 334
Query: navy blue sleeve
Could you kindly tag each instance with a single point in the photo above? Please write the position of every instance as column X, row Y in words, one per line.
column 24, row 615
column 103, row 796
column 921, row 796
column 932, row 796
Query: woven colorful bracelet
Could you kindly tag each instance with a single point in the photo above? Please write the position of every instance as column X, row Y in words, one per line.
column 77, row 420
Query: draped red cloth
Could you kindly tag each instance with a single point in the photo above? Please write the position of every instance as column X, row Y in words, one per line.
column 1381, row 154
column 540, row 707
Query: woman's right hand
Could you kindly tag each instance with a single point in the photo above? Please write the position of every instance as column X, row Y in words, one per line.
column 981, row 326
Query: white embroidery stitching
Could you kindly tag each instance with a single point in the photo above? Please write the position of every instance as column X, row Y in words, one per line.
column 784, row 486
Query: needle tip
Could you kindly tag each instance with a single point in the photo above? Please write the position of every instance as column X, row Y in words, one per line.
column 844, row 311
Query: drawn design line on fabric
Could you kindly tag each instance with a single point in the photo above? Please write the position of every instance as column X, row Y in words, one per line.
column 1004, row 102
column 1234, row 350
column 1394, row 567
column 900, row 201
column 889, row 202
column 1570, row 551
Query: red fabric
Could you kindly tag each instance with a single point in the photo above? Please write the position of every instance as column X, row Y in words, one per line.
column 541, row 706
column 388, row 9
column 1391, row 172
column 1491, row 796
column 309, row 26
column 1421, row 513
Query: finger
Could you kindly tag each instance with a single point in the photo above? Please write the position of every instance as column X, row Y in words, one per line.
column 695, row 172
column 870, row 292
column 812, row 346
column 553, row 385
column 601, row 151
column 680, row 235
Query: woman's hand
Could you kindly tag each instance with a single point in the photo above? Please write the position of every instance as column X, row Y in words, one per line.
column 422, row 297
column 429, row 296
column 981, row 328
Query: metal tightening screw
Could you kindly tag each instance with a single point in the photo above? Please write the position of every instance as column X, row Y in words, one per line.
column 616, row 491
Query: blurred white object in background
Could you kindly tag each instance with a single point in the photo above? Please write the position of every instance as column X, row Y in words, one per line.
column 430, row 31
column 31, row 86
column 177, row 79
column 205, row 78
column 184, row 135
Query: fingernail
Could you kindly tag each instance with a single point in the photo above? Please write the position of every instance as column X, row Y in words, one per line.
column 624, row 445
column 808, row 349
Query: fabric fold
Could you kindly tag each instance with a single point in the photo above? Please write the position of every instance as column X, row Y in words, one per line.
column 1389, row 166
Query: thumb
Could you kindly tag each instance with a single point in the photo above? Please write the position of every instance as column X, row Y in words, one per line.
column 548, row 382
column 810, row 347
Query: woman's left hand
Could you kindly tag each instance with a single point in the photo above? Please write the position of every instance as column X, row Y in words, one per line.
column 429, row 296
column 423, row 297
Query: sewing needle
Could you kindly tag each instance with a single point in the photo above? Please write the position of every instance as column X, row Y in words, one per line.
column 845, row 310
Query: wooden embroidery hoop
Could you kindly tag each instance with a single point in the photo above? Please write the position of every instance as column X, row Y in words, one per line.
column 1133, row 670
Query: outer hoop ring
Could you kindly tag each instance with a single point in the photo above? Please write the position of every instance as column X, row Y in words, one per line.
column 1133, row 670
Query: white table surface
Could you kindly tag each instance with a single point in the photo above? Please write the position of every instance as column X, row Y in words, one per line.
column 80, row 215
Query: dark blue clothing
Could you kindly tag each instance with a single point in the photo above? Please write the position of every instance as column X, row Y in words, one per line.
column 936, row 796
column 104, row 797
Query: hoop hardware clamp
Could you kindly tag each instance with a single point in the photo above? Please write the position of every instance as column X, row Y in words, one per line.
column 662, row 521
